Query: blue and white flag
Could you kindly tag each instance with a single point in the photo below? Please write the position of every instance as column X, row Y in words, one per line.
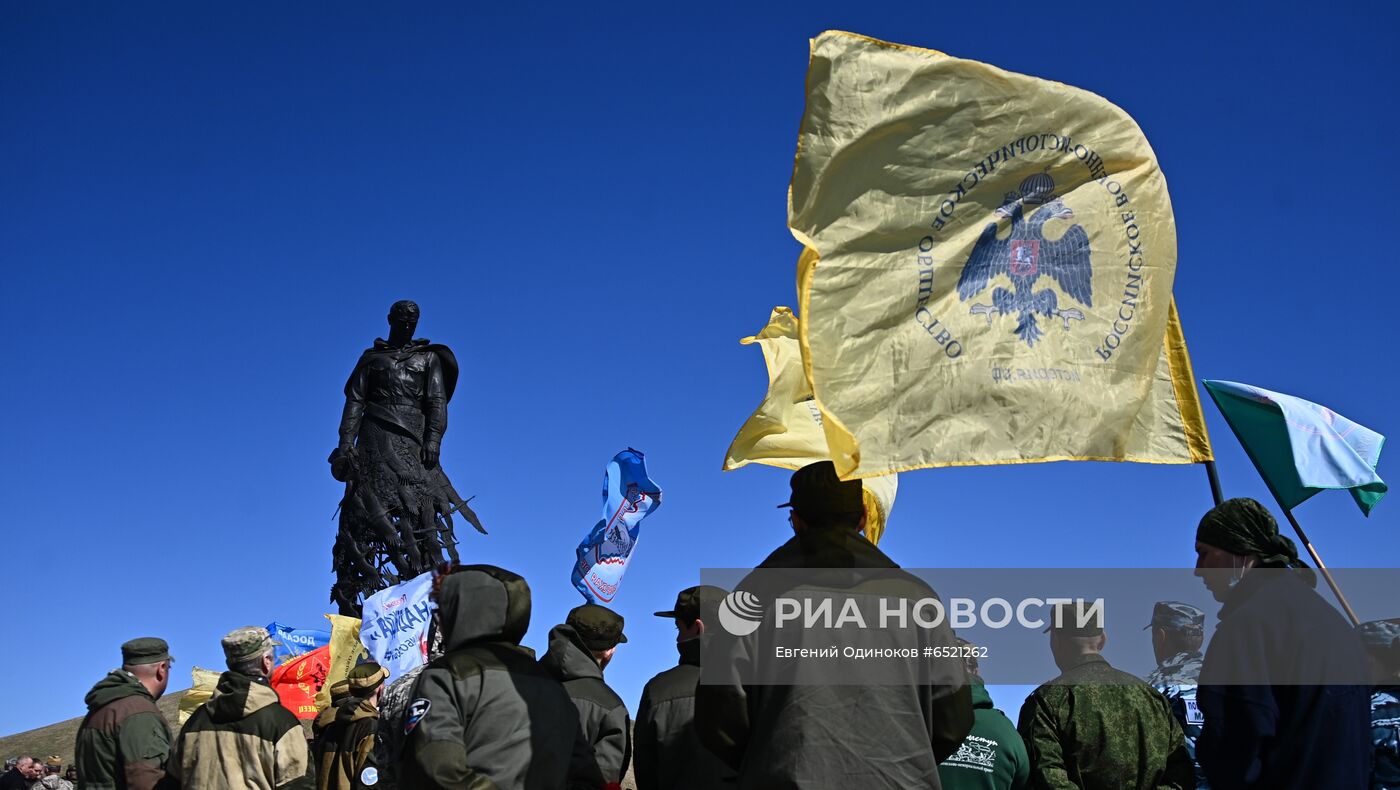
column 294, row 642
column 1299, row 447
column 395, row 625
column 628, row 496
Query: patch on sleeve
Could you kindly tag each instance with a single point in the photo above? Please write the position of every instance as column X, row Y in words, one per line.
column 370, row 776
column 417, row 709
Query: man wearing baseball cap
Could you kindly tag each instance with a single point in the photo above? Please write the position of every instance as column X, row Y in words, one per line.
column 1178, row 629
column 124, row 740
column 242, row 737
column 579, row 651
column 668, row 753
column 1094, row 726
column 344, row 751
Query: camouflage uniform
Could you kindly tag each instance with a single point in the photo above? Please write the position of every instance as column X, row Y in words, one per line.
column 1380, row 638
column 1176, row 677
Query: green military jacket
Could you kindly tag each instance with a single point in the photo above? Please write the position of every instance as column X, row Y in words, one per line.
column 124, row 742
column 1095, row 728
column 345, row 746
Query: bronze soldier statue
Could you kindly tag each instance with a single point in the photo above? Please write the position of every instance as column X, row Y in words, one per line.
column 396, row 515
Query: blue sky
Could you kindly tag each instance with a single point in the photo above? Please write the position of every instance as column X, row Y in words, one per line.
column 206, row 211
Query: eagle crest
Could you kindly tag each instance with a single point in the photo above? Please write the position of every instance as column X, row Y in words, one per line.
column 1024, row 256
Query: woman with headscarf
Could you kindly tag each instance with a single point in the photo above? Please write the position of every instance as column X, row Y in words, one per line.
column 1282, row 691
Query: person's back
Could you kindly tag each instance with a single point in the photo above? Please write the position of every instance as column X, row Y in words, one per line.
column 992, row 757
column 242, row 737
column 603, row 716
column 484, row 713
column 344, row 751
column 124, row 742
column 827, row 734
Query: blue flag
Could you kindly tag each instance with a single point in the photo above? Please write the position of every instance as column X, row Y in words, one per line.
column 628, row 496
column 1299, row 447
column 293, row 642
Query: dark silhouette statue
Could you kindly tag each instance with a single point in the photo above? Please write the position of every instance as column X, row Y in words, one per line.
column 396, row 515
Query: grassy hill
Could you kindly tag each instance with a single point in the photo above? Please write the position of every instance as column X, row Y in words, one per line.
column 58, row 738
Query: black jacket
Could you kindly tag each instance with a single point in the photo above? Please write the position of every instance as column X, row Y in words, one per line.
column 601, row 713
column 780, row 736
column 1263, row 727
column 668, row 754
column 486, row 714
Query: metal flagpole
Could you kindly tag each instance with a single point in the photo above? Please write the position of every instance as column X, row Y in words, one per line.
column 1214, row 482
column 1326, row 574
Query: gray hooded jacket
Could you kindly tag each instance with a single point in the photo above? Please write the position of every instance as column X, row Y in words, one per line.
column 601, row 713
column 485, row 715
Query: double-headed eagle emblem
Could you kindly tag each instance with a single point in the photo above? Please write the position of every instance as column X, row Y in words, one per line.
column 1024, row 255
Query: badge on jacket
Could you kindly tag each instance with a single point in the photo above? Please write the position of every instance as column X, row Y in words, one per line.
column 416, row 711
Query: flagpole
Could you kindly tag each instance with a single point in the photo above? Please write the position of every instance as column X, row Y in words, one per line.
column 1326, row 574
column 1214, row 482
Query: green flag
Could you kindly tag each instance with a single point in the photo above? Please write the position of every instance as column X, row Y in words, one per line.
column 1299, row 447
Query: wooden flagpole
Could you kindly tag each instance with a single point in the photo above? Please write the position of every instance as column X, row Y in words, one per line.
column 1326, row 574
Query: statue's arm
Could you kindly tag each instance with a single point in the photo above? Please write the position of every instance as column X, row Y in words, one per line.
column 434, row 410
column 354, row 407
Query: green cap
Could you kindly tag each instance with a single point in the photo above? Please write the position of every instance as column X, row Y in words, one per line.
column 246, row 642
column 146, row 650
column 600, row 627
column 1379, row 633
column 1067, row 617
column 697, row 603
column 1177, row 616
column 817, row 492
column 365, row 678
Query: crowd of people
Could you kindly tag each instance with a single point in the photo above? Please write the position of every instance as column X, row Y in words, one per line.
column 485, row 712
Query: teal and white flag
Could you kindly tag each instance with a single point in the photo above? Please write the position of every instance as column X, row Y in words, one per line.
column 1299, row 447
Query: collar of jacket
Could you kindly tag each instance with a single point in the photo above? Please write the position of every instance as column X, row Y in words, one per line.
column 238, row 696
column 568, row 658
column 690, row 650
column 1084, row 661
column 1250, row 585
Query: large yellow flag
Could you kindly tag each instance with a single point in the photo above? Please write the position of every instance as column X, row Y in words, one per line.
column 991, row 275
column 345, row 651
column 785, row 430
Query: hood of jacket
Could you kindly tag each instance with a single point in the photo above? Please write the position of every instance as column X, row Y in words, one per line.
column 482, row 603
column 980, row 697
column 52, row 782
column 567, row 657
column 117, row 685
column 356, row 710
column 238, row 696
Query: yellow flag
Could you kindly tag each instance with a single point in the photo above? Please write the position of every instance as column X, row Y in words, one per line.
column 785, row 430
column 991, row 279
column 346, row 651
column 204, row 682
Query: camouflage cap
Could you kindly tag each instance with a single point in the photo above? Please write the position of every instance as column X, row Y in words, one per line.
column 145, row 650
column 1076, row 619
column 1380, row 633
column 697, row 603
column 365, row 678
column 246, row 642
column 600, row 627
column 1177, row 616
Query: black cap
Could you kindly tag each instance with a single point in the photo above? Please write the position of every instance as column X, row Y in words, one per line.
column 817, row 492
column 145, row 650
column 599, row 626
column 697, row 603
column 1066, row 619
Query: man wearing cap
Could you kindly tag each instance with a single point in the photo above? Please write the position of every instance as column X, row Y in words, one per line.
column 579, row 651
column 344, row 752
column 1284, row 689
column 124, row 741
column 833, row 735
column 1177, row 632
column 485, row 714
column 242, row 737
column 1096, row 727
column 52, row 778
column 668, row 754
column 1382, row 641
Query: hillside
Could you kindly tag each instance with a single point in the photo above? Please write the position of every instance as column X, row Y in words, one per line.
column 58, row 738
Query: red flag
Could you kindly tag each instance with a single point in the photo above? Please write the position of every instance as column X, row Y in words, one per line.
column 297, row 681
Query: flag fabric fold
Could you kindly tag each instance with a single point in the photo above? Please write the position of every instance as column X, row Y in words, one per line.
column 629, row 496
column 1300, row 447
column 988, row 269
column 293, row 642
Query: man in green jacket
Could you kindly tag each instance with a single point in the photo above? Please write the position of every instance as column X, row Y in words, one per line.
column 579, row 652
column 1096, row 728
column 993, row 757
column 124, row 742
column 243, row 737
column 344, row 749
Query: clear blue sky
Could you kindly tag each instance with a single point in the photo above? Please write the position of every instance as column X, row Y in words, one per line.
column 205, row 213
